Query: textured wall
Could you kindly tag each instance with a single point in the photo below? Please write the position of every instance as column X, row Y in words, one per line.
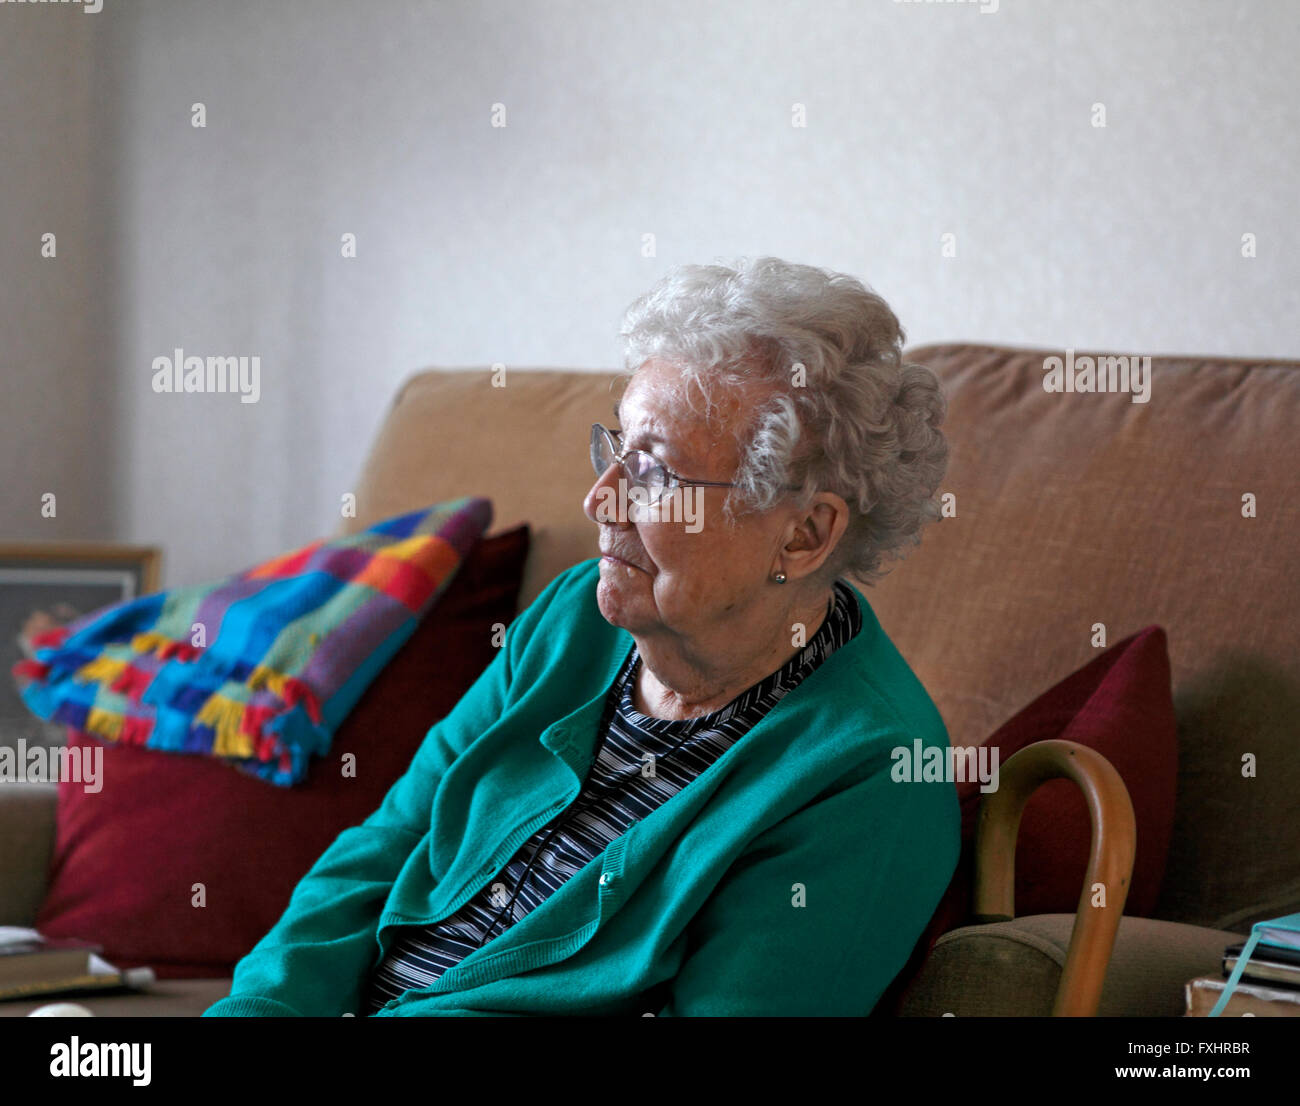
column 522, row 244
column 57, row 372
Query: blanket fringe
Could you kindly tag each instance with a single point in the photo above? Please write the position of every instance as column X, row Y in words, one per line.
column 223, row 716
column 105, row 723
column 164, row 647
column 136, row 730
column 289, row 688
column 28, row 669
column 132, row 682
column 103, row 668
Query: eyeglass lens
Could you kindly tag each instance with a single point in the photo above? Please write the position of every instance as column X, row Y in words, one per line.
column 642, row 470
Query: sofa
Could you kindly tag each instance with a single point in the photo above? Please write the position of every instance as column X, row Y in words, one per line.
column 1070, row 510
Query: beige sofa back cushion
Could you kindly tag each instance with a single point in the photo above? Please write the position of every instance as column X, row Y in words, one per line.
column 524, row 446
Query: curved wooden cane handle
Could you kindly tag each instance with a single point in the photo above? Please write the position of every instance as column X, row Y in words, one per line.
column 1110, row 860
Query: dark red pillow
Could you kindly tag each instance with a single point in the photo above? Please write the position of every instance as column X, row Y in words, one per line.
column 1120, row 704
column 127, row 857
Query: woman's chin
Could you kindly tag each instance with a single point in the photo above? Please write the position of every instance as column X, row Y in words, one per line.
column 617, row 596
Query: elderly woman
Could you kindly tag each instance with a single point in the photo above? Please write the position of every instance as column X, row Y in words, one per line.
column 670, row 793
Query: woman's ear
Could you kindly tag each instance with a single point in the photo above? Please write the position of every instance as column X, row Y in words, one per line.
column 813, row 535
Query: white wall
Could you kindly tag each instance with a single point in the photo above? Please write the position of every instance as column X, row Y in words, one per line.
column 523, row 244
column 57, row 376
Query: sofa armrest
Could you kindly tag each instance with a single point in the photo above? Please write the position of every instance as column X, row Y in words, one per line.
column 1013, row 968
column 26, row 842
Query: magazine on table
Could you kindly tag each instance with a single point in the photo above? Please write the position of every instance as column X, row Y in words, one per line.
column 33, row 965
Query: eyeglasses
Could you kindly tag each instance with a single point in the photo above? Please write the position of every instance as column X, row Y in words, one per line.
column 644, row 471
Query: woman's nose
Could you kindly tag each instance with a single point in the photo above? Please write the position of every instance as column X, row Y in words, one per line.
column 606, row 501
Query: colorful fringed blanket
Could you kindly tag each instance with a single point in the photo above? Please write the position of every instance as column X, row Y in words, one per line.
column 258, row 669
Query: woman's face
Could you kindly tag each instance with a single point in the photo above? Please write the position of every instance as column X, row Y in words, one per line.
column 657, row 576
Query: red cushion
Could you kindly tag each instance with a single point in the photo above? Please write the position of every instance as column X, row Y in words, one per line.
column 1120, row 704
column 126, row 858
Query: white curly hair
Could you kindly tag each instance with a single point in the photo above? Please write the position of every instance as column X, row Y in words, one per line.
column 858, row 420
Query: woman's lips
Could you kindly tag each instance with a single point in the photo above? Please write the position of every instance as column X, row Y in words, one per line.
column 618, row 560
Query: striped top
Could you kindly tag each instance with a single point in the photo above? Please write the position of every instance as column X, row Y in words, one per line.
column 641, row 763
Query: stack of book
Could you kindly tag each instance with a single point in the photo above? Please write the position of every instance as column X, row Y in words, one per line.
column 1261, row 976
column 32, row 965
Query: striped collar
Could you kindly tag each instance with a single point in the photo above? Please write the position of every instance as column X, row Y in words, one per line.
column 843, row 621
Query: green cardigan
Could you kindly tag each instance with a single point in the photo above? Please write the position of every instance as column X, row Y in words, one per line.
column 792, row 877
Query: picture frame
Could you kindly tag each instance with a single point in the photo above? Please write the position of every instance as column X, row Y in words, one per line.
column 43, row 584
